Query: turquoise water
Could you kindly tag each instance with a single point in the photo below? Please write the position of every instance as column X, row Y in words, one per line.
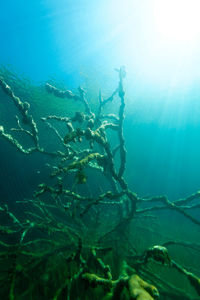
column 81, row 43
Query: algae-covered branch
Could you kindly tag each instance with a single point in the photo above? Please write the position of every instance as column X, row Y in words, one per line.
column 77, row 238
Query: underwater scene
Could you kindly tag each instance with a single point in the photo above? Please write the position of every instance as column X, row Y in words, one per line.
column 100, row 150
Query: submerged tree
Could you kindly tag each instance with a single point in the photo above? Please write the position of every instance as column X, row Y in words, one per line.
column 74, row 243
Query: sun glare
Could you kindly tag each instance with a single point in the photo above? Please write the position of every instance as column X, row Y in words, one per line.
column 177, row 20
column 159, row 39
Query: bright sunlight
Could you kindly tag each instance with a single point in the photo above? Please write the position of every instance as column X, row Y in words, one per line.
column 178, row 20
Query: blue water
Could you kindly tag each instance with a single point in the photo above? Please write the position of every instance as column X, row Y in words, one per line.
column 80, row 43
column 77, row 41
